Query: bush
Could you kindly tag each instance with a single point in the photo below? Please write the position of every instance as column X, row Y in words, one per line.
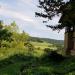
column 5, row 43
column 29, row 46
column 38, row 48
column 47, row 50
column 54, row 56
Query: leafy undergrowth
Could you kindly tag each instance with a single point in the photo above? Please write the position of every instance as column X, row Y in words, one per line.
column 29, row 65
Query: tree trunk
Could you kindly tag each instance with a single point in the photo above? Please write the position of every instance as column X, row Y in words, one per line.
column 0, row 43
column 69, row 42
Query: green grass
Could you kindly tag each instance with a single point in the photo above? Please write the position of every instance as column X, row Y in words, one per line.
column 36, row 66
column 5, row 53
column 33, row 62
column 43, row 45
column 38, row 51
column 11, row 69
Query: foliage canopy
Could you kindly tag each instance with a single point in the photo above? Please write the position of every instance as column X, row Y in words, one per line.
column 66, row 10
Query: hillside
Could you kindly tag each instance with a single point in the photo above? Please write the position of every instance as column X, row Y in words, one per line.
column 48, row 40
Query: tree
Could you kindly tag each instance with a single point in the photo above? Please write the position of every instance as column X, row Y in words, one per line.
column 4, row 33
column 59, row 7
column 12, row 27
column 10, row 33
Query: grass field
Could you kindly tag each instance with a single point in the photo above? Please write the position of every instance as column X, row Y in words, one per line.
column 24, row 62
column 43, row 45
column 38, row 51
column 28, row 65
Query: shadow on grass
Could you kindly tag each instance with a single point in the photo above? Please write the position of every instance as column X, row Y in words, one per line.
column 16, row 58
column 50, row 67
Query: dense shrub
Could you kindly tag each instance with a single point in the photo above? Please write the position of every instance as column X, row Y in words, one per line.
column 54, row 56
column 47, row 50
column 5, row 43
column 29, row 46
column 38, row 48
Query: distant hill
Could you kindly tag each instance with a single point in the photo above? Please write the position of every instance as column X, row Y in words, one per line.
column 53, row 41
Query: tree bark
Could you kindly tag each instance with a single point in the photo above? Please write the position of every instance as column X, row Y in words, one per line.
column 70, row 41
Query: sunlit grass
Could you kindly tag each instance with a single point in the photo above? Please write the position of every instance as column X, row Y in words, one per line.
column 33, row 57
column 43, row 45
column 38, row 51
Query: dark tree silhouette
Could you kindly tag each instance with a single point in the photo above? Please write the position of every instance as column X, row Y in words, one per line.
column 59, row 7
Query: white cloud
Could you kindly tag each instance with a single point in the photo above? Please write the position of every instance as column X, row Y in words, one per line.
column 14, row 14
column 26, row 1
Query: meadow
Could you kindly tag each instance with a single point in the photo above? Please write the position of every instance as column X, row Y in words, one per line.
column 37, row 62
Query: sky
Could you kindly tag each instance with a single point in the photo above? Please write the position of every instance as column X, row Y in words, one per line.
column 23, row 13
